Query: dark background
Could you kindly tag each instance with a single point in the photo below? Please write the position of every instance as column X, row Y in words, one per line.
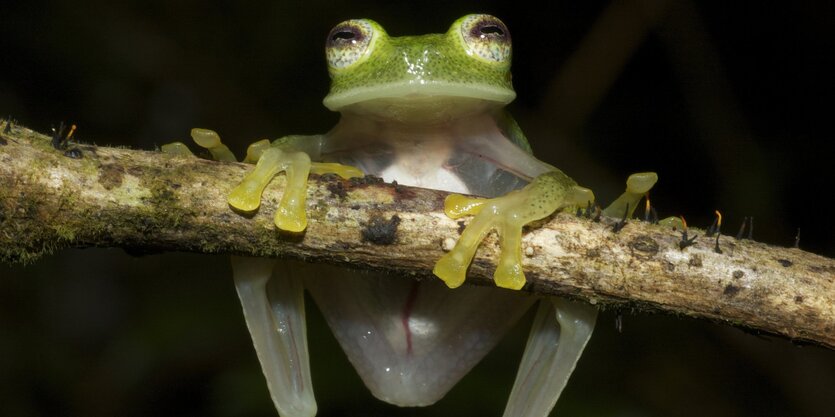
column 730, row 102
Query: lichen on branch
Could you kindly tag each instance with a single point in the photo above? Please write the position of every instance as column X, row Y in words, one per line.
column 150, row 202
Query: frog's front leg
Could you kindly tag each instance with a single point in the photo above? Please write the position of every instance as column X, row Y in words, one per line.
column 272, row 297
column 290, row 154
column 273, row 304
column 507, row 214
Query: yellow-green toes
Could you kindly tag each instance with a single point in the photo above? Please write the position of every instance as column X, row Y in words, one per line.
column 210, row 140
column 637, row 185
column 507, row 215
column 452, row 269
column 290, row 214
column 269, row 160
column 176, row 148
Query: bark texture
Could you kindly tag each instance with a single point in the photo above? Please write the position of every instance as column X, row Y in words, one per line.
column 148, row 202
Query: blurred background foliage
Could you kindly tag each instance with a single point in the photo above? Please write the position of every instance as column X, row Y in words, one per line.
column 730, row 102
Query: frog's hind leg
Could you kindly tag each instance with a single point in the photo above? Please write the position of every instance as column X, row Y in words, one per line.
column 273, row 304
column 559, row 334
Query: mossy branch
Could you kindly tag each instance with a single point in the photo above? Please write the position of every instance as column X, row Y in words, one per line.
column 148, row 202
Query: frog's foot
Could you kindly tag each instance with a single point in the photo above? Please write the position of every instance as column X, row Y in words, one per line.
column 271, row 160
column 273, row 304
column 290, row 215
column 559, row 334
column 210, row 140
column 637, row 185
column 507, row 214
column 176, row 148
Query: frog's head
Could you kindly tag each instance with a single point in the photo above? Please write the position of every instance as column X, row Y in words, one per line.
column 427, row 77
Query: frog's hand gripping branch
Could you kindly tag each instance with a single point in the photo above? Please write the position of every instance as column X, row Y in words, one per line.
column 272, row 159
column 546, row 194
column 507, row 214
column 289, row 154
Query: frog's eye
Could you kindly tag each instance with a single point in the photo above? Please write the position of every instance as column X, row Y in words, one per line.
column 349, row 42
column 486, row 37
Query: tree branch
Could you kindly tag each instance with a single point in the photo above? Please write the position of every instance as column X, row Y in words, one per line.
column 148, row 201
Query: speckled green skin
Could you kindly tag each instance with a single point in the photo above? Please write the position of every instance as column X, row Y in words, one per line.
column 444, row 61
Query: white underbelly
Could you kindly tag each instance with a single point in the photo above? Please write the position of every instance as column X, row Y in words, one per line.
column 438, row 179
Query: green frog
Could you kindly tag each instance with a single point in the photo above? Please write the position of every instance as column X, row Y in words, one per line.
column 425, row 111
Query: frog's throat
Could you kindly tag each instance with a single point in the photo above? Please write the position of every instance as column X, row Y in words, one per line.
column 418, row 89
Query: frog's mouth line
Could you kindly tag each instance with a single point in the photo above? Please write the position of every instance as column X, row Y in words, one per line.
column 420, row 92
column 420, row 104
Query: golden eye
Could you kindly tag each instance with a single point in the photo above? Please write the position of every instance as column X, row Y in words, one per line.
column 348, row 42
column 486, row 37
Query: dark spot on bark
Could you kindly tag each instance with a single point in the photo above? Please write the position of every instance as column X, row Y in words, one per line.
column 380, row 231
column 731, row 290
column 3, row 141
column 339, row 246
column 593, row 253
column 461, row 226
column 695, row 261
column 785, row 262
column 73, row 153
column 798, row 299
column 366, row 180
column 165, row 195
column 110, row 176
column 738, row 274
column 643, row 247
column 336, row 188
column 356, row 207
column 136, row 171
column 821, row 269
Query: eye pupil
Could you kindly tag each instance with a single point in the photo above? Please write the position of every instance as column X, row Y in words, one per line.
column 344, row 35
column 491, row 30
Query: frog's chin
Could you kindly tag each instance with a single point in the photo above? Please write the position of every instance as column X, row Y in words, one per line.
column 421, row 109
column 427, row 103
